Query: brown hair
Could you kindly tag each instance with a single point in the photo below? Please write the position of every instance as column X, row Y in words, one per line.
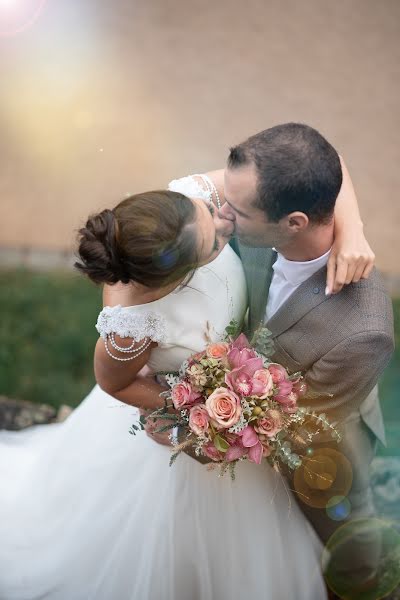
column 149, row 238
column 297, row 169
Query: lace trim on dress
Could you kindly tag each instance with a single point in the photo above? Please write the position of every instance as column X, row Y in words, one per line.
column 114, row 319
column 190, row 187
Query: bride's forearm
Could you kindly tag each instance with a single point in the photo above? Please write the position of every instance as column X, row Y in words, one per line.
column 144, row 393
column 347, row 212
column 217, row 177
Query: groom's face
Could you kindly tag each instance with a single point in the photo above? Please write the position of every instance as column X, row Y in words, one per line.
column 251, row 223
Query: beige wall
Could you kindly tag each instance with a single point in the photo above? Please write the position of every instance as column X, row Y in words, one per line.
column 99, row 99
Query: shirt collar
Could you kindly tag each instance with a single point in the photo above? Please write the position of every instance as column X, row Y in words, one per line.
column 295, row 272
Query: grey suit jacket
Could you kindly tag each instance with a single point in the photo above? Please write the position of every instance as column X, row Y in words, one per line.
column 342, row 343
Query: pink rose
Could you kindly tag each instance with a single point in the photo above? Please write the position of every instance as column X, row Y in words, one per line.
column 284, row 389
column 183, row 394
column 224, row 408
column 240, row 379
column 270, row 424
column 218, row 351
column 198, row 419
column 278, row 373
column 262, row 383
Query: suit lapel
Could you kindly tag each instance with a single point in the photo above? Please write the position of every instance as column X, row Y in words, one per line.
column 257, row 264
column 308, row 295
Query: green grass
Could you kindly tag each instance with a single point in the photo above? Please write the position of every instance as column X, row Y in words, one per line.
column 47, row 337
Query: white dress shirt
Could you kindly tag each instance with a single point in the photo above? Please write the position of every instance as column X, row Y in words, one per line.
column 287, row 276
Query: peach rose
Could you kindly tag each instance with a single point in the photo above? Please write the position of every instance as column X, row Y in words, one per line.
column 224, row 408
column 270, row 424
column 262, row 383
column 218, row 351
column 198, row 419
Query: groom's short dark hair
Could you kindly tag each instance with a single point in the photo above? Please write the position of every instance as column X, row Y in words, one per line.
column 297, row 170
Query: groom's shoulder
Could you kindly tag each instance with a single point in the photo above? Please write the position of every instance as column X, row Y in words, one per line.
column 368, row 303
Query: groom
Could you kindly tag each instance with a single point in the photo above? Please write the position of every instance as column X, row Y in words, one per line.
column 280, row 188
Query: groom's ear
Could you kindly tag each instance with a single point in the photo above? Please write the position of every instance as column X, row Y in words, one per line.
column 297, row 221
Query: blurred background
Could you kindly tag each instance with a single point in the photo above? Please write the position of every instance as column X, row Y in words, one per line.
column 99, row 100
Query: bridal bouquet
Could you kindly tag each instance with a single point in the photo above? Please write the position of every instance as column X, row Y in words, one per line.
column 233, row 404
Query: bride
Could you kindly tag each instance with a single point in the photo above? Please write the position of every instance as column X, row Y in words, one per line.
column 88, row 512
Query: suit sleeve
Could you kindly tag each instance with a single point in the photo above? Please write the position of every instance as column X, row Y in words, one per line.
column 349, row 371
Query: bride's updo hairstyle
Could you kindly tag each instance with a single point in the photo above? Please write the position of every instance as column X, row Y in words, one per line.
column 147, row 238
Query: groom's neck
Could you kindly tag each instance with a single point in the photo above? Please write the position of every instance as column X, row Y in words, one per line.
column 309, row 245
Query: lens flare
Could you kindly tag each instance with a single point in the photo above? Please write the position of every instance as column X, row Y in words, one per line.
column 324, row 474
column 376, row 540
column 338, row 508
column 17, row 16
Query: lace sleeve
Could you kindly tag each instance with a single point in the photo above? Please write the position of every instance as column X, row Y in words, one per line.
column 145, row 328
column 190, row 187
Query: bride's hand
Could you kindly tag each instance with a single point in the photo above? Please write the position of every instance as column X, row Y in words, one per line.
column 351, row 257
column 151, row 429
column 350, row 260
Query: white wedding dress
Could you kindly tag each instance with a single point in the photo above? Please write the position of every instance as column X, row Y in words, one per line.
column 90, row 512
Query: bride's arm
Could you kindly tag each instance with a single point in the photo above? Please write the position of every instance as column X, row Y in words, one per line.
column 122, row 379
column 351, row 258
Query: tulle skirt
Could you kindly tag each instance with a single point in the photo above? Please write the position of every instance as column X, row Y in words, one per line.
column 90, row 512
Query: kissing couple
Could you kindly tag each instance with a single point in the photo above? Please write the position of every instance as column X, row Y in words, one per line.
column 273, row 239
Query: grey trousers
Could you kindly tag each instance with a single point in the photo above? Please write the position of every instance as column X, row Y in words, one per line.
column 358, row 554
